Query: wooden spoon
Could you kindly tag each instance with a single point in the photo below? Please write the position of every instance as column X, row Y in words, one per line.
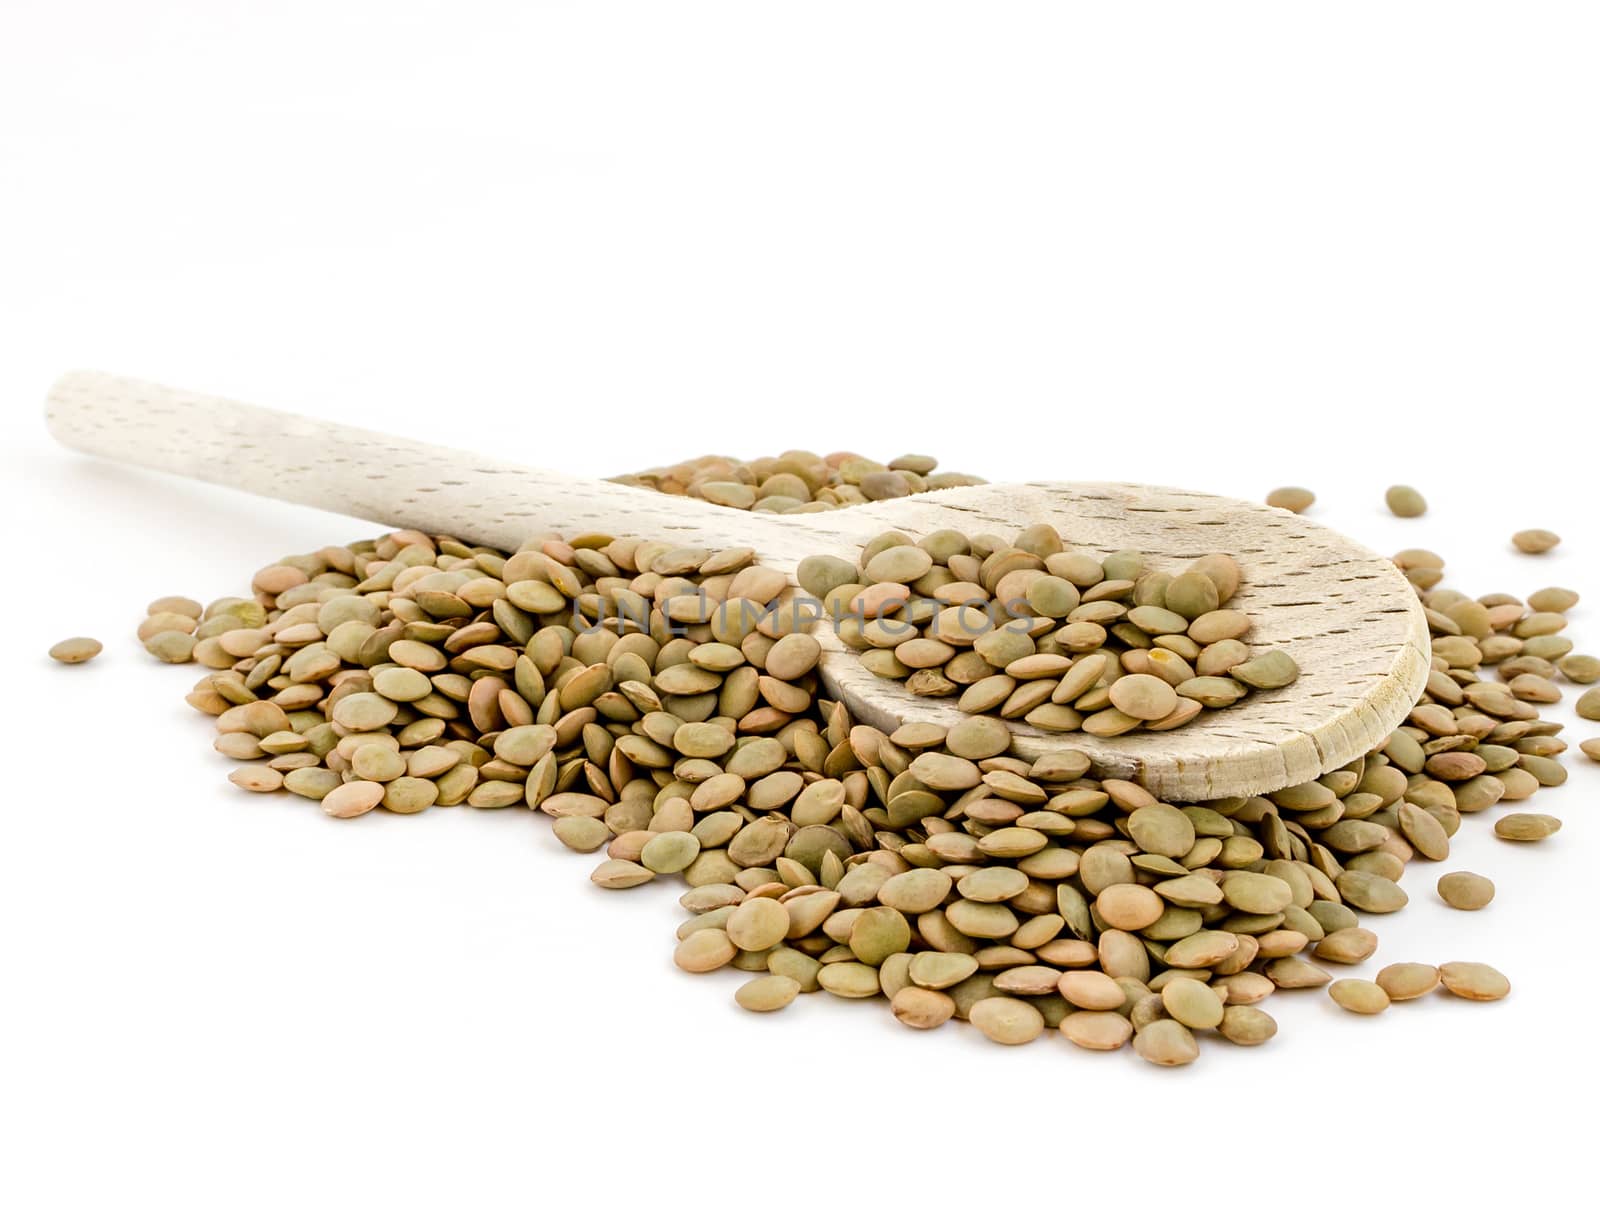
column 1349, row 618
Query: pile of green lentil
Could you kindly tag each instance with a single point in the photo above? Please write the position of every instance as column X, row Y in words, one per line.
column 1028, row 628
column 798, row 481
column 677, row 723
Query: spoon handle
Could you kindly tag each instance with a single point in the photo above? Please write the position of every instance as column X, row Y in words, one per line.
column 385, row 479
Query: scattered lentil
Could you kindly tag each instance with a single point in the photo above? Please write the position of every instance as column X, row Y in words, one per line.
column 1526, row 827
column 75, row 649
column 1405, row 501
column 769, row 993
column 1405, row 981
column 1296, row 500
column 1359, row 997
column 1465, row 890
column 1478, row 982
column 1535, row 541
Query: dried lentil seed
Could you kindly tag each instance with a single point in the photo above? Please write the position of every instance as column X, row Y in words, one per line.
column 1405, row 981
column 75, row 650
column 1292, row 498
column 767, row 993
column 1474, row 981
column 1359, row 997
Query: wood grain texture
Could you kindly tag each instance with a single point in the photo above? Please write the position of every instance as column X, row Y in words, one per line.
column 1349, row 618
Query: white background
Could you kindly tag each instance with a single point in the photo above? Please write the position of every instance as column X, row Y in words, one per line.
column 1220, row 245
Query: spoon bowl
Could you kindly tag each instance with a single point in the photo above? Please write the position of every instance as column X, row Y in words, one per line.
column 1348, row 616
